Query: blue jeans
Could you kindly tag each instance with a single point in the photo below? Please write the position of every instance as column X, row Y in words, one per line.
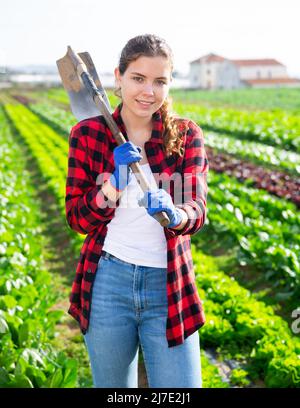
column 129, row 308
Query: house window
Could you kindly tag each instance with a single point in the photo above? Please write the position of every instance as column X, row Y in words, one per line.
column 208, row 71
column 257, row 74
column 270, row 74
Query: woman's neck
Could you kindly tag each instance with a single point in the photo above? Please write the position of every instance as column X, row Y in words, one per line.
column 136, row 125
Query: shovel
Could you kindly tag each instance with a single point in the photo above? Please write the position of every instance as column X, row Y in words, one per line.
column 88, row 99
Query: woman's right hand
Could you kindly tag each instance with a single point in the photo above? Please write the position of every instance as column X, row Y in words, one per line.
column 127, row 153
column 124, row 155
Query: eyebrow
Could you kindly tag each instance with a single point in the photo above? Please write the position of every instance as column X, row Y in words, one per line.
column 137, row 73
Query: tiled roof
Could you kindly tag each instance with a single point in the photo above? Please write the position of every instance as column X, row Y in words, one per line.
column 271, row 81
column 240, row 62
column 251, row 62
column 209, row 58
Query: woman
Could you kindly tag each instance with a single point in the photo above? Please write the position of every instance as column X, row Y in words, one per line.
column 135, row 281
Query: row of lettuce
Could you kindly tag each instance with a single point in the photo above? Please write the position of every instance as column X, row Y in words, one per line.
column 230, row 324
column 277, row 129
column 271, row 99
column 241, row 327
column 27, row 323
column 266, row 230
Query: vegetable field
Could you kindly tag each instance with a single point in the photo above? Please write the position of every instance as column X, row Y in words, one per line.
column 246, row 256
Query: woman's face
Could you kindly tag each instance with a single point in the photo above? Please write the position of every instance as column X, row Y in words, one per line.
column 146, row 80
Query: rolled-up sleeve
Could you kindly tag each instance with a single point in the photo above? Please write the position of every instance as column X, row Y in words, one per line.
column 194, row 182
column 85, row 205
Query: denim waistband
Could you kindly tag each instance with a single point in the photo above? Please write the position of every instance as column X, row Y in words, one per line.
column 107, row 255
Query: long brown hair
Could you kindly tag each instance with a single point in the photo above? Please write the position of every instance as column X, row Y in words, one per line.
column 150, row 45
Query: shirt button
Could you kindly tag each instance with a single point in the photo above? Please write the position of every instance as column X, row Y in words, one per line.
column 89, row 271
column 98, row 241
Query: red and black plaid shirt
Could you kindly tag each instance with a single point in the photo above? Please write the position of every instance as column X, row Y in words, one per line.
column 91, row 146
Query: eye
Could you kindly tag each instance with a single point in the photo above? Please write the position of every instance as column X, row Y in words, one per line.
column 140, row 79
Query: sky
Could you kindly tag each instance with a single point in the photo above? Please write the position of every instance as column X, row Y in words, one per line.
column 39, row 31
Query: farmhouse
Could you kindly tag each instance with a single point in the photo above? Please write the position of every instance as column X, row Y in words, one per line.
column 212, row 71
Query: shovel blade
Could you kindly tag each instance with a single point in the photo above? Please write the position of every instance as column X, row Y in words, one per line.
column 81, row 101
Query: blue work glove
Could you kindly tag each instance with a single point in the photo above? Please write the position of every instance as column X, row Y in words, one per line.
column 159, row 200
column 124, row 155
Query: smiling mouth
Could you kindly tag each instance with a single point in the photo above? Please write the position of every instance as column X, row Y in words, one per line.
column 145, row 103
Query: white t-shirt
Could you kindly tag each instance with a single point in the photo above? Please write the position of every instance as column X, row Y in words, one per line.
column 132, row 234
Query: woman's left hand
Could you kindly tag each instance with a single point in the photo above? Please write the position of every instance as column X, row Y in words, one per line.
column 159, row 200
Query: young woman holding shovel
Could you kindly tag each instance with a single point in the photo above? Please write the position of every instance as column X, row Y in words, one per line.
column 135, row 280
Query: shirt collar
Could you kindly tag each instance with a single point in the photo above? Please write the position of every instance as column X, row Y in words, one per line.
column 157, row 128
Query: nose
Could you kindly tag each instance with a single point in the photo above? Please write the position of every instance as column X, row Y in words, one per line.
column 148, row 89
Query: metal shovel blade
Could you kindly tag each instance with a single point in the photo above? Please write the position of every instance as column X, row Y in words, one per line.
column 82, row 103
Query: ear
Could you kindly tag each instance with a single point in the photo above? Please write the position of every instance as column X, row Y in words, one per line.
column 117, row 76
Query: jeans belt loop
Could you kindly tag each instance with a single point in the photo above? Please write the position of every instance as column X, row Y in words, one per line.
column 104, row 254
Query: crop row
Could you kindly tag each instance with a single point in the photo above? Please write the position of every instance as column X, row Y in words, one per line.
column 60, row 119
column 40, row 139
column 277, row 129
column 273, row 99
column 273, row 181
column 27, row 326
column 265, row 228
column 260, row 153
column 243, row 328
